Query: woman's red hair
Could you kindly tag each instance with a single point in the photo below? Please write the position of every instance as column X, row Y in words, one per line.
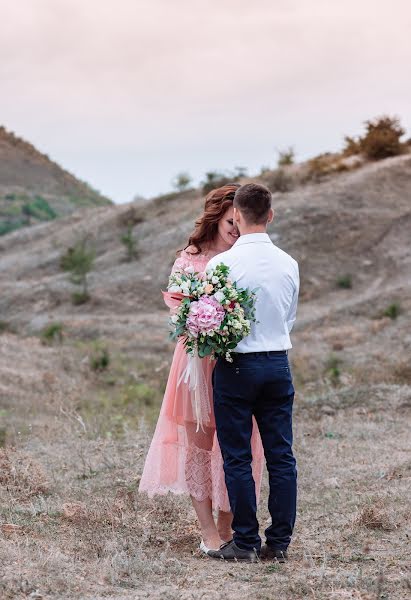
column 216, row 203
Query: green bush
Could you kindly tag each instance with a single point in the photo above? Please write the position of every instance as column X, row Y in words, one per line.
column 79, row 298
column 4, row 326
column 78, row 262
column 216, row 179
column 52, row 332
column 130, row 244
column 9, row 226
column 392, row 311
column 100, row 359
column 344, row 282
column 286, row 157
column 181, row 181
column 332, row 369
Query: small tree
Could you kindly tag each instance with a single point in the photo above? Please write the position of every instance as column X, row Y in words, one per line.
column 182, row 181
column 215, row 179
column 130, row 243
column 286, row 157
column 382, row 138
column 240, row 172
column 78, row 261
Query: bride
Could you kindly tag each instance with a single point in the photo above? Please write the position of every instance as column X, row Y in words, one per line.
column 181, row 459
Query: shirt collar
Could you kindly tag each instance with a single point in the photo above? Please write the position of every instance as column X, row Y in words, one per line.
column 253, row 238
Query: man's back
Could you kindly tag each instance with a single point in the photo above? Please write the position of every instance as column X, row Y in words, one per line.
column 256, row 263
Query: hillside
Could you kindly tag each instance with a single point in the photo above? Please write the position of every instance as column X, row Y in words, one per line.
column 75, row 434
column 33, row 188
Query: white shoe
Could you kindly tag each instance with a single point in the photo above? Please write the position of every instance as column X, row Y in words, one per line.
column 203, row 548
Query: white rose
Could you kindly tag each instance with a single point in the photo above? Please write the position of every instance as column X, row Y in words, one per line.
column 215, row 279
column 174, row 288
column 219, row 296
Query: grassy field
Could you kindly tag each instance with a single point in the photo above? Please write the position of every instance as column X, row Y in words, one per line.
column 81, row 387
column 73, row 525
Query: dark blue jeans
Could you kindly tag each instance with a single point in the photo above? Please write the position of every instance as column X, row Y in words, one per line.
column 258, row 384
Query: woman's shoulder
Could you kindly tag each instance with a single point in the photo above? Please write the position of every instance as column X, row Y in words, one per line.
column 191, row 251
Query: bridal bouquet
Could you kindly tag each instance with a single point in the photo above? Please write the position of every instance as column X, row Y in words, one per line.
column 212, row 315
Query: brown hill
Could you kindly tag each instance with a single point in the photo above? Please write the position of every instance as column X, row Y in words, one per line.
column 70, row 482
column 33, row 188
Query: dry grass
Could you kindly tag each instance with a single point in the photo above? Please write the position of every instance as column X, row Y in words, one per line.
column 74, row 526
column 20, row 475
column 376, row 516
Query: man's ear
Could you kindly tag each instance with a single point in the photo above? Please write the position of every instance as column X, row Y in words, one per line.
column 236, row 215
column 270, row 216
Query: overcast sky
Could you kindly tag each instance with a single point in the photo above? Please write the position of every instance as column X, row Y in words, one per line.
column 126, row 93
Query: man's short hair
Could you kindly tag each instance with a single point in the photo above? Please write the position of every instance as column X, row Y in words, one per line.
column 254, row 202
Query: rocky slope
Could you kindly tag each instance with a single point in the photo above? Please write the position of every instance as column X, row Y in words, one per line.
column 33, row 188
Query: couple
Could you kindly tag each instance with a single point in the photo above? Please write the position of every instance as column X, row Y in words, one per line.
column 220, row 467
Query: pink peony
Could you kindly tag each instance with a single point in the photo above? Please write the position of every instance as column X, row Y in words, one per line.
column 204, row 316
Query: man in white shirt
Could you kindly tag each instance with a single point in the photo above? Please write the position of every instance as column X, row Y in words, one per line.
column 258, row 382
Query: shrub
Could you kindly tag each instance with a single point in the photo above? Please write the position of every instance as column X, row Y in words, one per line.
column 392, row 311
column 130, row 243
column 78, row 298
column 382, row 138
column 9, row 226
column 130, row 217
column 320, row 165
column 100, row 359
column 4, row 326
column 53, row 332
column 279, row 181
column 332, row 369
column 182, row 181
column 216, row 179
column 78, row 261
column 375, row 516
column 240, row 172
column 344, row 282
column 286, row 157
column 352, row 146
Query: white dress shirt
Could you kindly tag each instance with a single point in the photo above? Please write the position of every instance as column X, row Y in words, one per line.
column 256, row 263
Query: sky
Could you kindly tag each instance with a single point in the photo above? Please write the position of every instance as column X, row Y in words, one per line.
column 125, row 94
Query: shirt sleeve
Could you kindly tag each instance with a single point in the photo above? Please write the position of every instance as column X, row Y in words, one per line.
column 292, row 313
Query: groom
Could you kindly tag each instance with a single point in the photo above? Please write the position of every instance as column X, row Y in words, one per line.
column 258, row 382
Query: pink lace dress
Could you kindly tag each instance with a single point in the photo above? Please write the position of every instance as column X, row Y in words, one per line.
column 179, row 459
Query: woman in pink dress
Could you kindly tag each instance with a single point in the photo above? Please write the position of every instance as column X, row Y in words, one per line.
column 181, row 459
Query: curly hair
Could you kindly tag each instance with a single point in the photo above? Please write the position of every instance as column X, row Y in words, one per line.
column 216, row 203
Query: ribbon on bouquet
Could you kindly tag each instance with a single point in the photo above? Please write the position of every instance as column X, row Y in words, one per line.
column 193, row 376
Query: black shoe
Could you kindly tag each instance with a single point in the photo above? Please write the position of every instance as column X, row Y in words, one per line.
column 269, row 553
column 230, row 551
